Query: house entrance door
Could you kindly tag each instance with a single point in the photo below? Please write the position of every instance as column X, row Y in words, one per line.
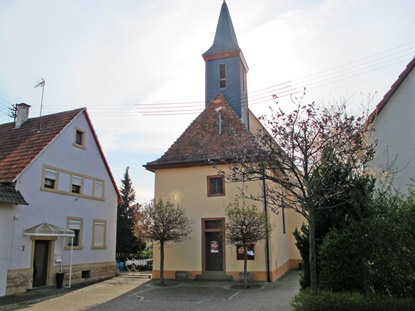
column 214, row 251
column 40, row 262
column 213, row 248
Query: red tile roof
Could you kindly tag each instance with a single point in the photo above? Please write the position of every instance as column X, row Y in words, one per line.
column 19, row 146
column 201, row 143
column 392, row 91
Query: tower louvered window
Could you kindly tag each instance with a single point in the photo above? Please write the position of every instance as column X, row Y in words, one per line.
column 222, row 76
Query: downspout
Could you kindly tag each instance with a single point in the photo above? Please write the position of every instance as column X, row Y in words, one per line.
column 70, row 267
column 266, row 219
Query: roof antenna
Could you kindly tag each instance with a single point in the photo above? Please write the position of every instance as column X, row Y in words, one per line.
column 42, row 84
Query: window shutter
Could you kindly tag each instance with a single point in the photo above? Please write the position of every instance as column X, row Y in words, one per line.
column 50, row 174
column 76, row 180
column 98, row 187
column 74, row 224
column 99, row 233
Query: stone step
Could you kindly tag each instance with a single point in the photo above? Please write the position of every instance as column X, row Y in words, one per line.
column 213, row 276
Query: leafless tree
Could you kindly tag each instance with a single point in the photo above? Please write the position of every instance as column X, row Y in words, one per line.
column 163, row 223
column 245, row 226
column 289, row 158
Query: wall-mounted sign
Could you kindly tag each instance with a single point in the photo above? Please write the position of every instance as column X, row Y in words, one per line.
column 214, row 246
column 240, row 252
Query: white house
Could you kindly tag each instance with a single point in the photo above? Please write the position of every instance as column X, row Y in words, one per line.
column 394, row 129
column 54, row 177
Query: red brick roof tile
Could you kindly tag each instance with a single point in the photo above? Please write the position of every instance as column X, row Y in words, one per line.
column 19, row 146
column 201, row 142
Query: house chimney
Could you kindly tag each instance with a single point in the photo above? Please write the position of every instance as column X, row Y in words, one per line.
column 22, row 114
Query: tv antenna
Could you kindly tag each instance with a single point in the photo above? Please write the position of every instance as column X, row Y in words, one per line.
column 41, row 84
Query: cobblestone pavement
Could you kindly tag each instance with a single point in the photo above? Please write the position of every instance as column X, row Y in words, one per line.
column 128, row 293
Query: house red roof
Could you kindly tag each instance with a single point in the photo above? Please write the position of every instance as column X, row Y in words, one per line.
column 204, row 142
column 392, row 90
column 20, row 146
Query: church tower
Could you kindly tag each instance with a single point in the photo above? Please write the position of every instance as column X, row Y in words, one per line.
column 226, row 68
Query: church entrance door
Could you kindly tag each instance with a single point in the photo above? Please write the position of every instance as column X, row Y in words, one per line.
column 213, row 249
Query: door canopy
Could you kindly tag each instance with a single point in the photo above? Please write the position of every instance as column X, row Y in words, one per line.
column 46, row 229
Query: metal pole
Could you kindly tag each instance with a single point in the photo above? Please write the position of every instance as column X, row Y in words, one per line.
column 70, row 267
column 42, row 84
column 266, row 219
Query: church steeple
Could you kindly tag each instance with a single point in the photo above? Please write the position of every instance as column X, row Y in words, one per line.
column 225, row 37
column 226, row 67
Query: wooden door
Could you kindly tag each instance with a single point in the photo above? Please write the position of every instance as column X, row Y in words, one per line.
column 40, row 262
column 213, row 244
column 214, row 251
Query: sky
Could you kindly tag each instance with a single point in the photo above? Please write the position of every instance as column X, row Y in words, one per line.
column 137, row 66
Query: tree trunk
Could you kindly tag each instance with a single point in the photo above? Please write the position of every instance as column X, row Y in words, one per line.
column 162, row 263
column 312, row 250
column 245, row 267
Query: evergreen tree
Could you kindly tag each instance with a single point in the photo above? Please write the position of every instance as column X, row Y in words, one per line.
column 127, row 214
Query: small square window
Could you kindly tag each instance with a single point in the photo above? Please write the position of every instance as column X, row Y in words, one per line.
column 49, row 183
column 79, row 139
column 76, row 189
column 76, row 184
column 86, row 274
column 216, row 186
column 50, row 178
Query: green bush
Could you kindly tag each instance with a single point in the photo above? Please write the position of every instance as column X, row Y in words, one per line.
column 328, row 301
column 343, row 259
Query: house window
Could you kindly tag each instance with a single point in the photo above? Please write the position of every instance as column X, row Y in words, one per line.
column 75, row 224
column 79, row 139
column 50, row 178
column 98, row 189
column 216, row 186
column 222, row 76
column 76, row 184
column 99, row 234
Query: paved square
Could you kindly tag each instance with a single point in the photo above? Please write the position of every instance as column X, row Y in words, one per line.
column 127, row 293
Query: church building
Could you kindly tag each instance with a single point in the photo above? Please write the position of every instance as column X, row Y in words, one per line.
column 184, row 175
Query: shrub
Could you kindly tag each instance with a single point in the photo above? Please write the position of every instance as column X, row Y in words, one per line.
column 343, row 259
column 328, row 301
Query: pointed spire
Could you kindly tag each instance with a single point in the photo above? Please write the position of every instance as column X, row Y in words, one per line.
column 225, row 37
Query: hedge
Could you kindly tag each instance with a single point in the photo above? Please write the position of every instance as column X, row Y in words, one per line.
column 328, row 301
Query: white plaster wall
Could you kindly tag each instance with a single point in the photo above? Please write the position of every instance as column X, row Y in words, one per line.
column 6, row 224
column 55, row 208
column 395, row 132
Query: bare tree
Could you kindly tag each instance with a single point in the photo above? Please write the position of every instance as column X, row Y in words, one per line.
column 163, row 223
column 245, row 226
column 290, row 158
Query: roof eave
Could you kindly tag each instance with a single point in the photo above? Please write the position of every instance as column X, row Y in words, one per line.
column 154, row 167
column 392, row 91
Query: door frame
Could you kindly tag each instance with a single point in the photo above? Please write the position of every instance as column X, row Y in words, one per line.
column 51, row 239
column 204, row 230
